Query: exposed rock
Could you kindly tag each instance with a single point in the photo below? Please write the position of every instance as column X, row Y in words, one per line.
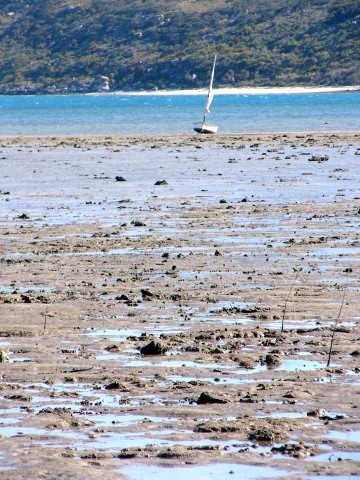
column 273, row 359
column 268, row 434
column 246, row 361
column 297, row 450
column 114, row 385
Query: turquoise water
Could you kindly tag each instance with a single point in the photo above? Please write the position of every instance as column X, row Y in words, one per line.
column 175, row 114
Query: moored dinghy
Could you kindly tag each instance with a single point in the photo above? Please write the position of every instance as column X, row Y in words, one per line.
column 204, row 127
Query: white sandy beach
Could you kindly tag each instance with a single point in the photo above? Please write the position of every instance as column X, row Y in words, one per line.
column 244, row 91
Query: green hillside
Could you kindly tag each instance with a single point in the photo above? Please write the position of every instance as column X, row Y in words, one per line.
column 68, row 45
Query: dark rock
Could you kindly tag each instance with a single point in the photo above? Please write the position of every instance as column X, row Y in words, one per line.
column 318, row 158
column 114, row 385
column 25, row 298
column 273, row 359
column 161, row 182
column 122, row 297
column 153, row 348
column 112, row 348
column 206, row 397
column 119, row 178
column 147, row 295
column 138, row 223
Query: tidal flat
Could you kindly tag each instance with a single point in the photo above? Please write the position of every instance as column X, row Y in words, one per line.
column 167, row 305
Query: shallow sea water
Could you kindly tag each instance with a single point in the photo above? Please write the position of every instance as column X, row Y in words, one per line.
column 203, row 472
column 175, row 114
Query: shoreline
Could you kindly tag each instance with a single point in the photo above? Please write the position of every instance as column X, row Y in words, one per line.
column 180, row 137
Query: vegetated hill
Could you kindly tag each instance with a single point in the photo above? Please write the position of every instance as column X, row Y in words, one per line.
column 68, row 45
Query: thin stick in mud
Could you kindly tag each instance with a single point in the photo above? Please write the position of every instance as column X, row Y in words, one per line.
column 45, row 318
column 297, row 270
column 334, row 328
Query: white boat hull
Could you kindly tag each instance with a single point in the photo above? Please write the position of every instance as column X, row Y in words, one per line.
column 204, row 127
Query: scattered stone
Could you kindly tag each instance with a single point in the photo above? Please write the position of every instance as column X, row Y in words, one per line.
column 249, row 398
column 112, row 348
column 221, row 426
column 296, row 450
column 3, row 356
column 318, row 158
column 55, row 411
column 161, row 182
column 23, row 397
column 26, row 298
column 127, row 453
column 319, row 412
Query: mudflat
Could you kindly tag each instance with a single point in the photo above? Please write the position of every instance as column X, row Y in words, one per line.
column 180, row 305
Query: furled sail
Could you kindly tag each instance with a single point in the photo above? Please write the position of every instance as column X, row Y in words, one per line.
column 208, row 103
column 210, row 93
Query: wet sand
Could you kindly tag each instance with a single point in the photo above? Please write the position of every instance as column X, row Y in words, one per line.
column 203, row 248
